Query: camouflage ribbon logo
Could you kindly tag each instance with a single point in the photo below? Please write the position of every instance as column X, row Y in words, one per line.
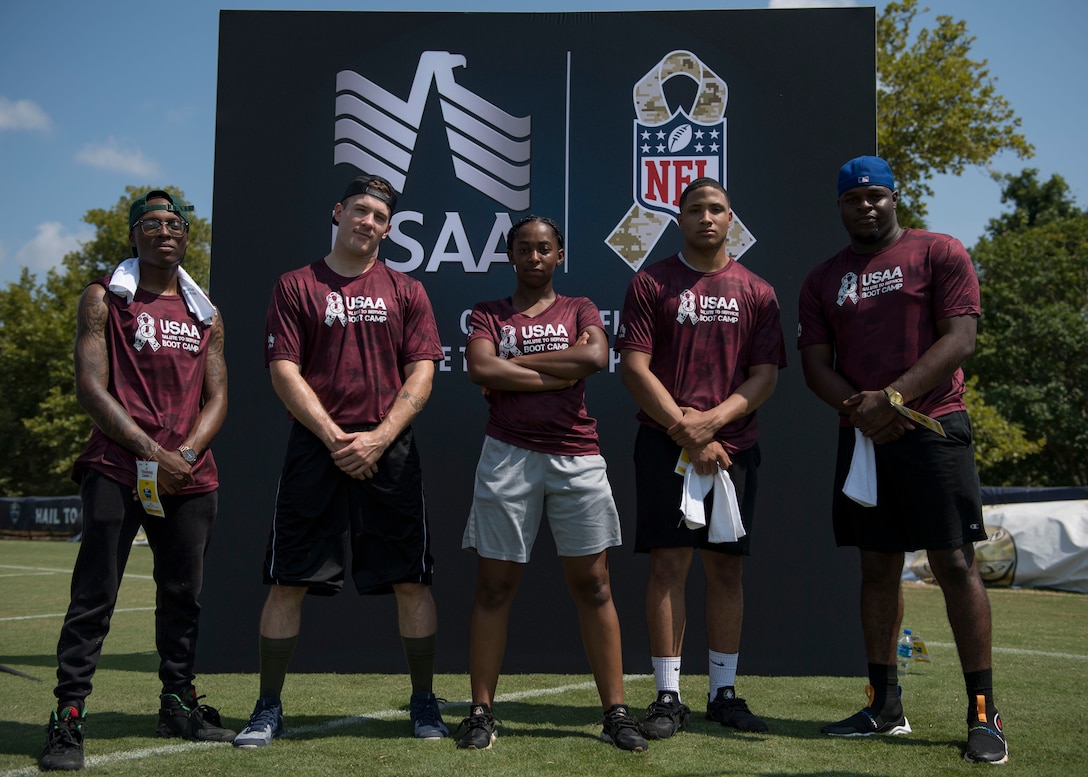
column 672, row 149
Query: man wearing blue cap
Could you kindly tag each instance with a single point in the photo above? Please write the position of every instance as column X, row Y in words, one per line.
column 884, row 328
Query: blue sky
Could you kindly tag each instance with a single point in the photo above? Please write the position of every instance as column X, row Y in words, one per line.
column 75, row 130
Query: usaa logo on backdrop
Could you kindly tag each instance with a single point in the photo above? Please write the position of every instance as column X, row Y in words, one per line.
column 376, row 132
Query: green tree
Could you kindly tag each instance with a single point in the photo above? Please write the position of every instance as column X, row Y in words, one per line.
column 42, row 427
column 1033, row 337
column 938, row 110
column 1034, row 203
column 999, row 444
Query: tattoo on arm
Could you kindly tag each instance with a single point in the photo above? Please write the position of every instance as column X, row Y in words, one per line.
column 417, row 403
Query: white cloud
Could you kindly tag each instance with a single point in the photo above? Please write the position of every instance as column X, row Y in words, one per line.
column 117, row 158
column 22, row 115
column 48, row 247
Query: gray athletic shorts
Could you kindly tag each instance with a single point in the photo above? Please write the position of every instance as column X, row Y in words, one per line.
column 515, row 487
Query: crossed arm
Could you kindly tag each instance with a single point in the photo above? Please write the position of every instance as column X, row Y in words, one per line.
column 545, row 371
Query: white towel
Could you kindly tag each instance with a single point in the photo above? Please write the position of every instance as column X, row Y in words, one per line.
column 725, row 523
column 126, row 278
column 860, row 482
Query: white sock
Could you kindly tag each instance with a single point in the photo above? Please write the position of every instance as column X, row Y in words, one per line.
column 667, row 673
column 723, row 671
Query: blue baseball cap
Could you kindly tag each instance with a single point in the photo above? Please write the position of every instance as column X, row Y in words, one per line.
column 865, row 171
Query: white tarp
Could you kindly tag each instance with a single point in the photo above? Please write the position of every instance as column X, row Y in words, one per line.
column 1051, row 541
column 1030, row 545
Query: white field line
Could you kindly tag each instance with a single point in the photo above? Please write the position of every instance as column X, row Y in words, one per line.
column 61, row 614
column 1017, row 651
column 51, row 571
column 147, row 752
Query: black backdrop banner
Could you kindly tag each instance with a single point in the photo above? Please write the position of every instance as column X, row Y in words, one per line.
column 596, row 120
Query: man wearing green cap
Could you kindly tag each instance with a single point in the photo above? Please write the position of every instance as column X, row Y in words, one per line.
column 150, row 372
column 884, row 326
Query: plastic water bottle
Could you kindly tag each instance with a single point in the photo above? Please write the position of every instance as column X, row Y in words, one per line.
column 904, row 652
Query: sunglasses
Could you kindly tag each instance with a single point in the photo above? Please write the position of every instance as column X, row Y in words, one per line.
column 175, row 227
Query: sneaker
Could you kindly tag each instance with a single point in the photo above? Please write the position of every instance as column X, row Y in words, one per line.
column 665, row 717
column 479, row 729
column 63, row 749
column 868, row 722
column 985, row 742
column 265, row 724
column 193, row 721
column 427, row 720
column 621, row 730
column 730, row 710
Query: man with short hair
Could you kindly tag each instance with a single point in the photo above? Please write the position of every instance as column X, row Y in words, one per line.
column 885, row 326
column 151, row 374
column 351, row 348
column 701, row 343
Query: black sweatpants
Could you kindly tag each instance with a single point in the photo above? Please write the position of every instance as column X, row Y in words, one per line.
column 179, row 541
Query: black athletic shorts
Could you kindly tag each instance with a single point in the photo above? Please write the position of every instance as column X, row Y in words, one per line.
column 927, row 492
column 322, row 514
column 658, row 490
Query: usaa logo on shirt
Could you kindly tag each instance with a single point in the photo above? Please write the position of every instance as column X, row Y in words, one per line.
column 168, row 334
column 706, row 308
column 352, row 310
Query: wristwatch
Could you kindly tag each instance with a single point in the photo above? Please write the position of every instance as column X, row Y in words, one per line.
column 893, row 396
column 188, row 454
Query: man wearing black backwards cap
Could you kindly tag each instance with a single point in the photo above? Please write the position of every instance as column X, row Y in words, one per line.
column 351, row 347
column 151, row 375
column 884, row 326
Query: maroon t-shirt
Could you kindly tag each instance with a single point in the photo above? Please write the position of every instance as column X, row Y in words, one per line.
column 156, row 351
column 351, row 337
column 554, row 422
column 880, row 311
column 703, row 331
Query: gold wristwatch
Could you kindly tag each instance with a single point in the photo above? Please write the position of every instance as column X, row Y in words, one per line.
column 188, row 454
column 893, row 396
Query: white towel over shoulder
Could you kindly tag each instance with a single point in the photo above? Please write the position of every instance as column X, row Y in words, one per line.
column 725, row 523
column 126, row 278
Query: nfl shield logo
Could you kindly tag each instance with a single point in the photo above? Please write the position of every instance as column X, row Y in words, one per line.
column 669, row 156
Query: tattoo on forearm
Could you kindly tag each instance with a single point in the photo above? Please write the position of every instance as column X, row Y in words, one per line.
column 416, row 402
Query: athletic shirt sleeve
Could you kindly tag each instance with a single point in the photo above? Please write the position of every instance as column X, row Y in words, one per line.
column 554, row 422
column 703, row 332
column 351, row 337
column 880, row 311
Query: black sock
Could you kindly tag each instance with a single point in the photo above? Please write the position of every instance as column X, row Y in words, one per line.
column 884, row 679
column 420, row 652
column 980, row 696
column 275, row 657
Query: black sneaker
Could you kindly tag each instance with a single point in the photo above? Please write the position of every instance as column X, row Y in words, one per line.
column 63, row 749
column 197, row 722
column 426, row 717
column 479, row 729
column 730, row 710
column 986, row 742
column 665, row 717
column 622, row 730
column 870, row 721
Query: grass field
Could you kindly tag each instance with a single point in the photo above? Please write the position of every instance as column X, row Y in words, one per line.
column 357, row 724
